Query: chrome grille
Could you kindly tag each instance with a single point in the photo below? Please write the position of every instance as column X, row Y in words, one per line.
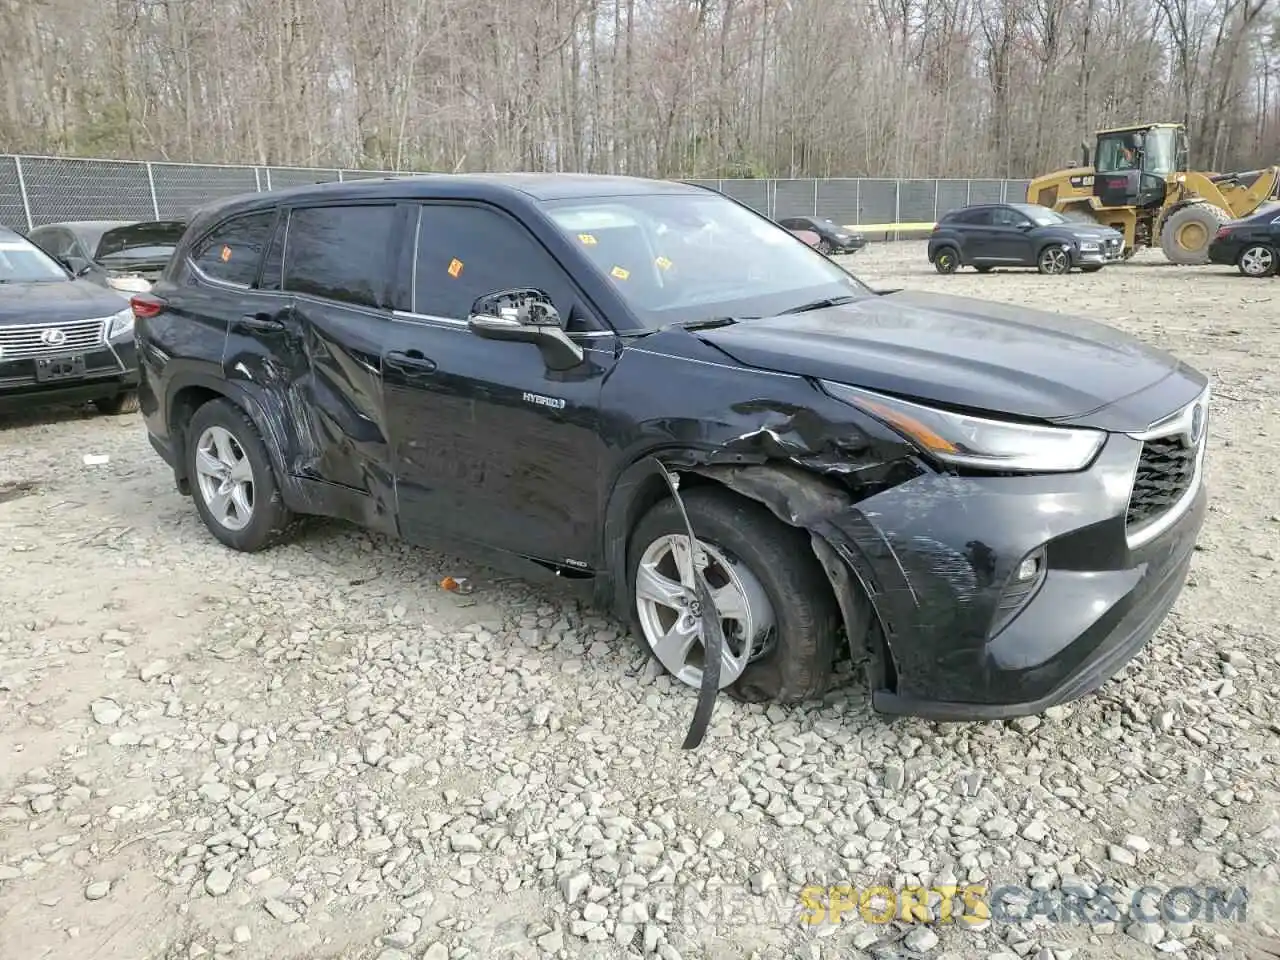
column 1169, row 471
column 31, row 341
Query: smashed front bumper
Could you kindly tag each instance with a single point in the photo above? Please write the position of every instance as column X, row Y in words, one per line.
column 938, row 558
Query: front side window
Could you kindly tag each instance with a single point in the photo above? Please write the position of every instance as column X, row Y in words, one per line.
column 1007, row 217
column 21, row 261
column 340, row 252
column 688, row 257
column 466, row 252
column 232, row 251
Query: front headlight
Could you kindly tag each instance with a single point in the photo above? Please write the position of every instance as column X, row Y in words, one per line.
column 967, row 441
column 120, row 324
column 1089, row 246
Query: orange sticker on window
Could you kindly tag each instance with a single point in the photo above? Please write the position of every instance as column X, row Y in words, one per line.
column 226, row 253
column 620, row 273
column 663, row 263
column 455, row 268
column 587, row 239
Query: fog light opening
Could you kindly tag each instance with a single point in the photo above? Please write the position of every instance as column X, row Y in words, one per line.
column 1030, row 567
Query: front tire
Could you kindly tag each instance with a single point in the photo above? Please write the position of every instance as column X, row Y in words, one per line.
column 232, row 481
column 1054, row 260
column 1257, row 260
column 1187, row 233
column 778, row 613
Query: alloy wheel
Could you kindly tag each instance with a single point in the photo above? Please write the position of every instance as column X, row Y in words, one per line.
column 1257, row 261
column 1055, row 260
column 224, row 477
column 670, row 618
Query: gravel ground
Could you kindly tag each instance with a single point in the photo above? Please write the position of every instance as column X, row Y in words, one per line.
column 317, row 752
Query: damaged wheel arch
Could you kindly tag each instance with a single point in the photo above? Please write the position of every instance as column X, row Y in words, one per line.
column 191, row 393
column 797, row 497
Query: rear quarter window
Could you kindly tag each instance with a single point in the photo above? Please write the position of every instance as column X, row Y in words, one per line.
column 232, row 252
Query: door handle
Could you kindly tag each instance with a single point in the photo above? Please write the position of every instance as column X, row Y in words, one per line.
column 262, row 322
column 410, row 361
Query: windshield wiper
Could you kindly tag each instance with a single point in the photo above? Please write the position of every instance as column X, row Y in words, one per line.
column 820, row 304
column 708, row 324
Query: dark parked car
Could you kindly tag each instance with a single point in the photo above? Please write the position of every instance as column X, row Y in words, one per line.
column 808, row 236
column 990, row 508
column 1251, row 244
column 1021, row 235
column 62, row 340
column 125, row 255
column 832, row 238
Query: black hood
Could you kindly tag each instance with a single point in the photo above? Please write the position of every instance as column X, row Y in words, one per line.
column 56, row 300
column 969, row 353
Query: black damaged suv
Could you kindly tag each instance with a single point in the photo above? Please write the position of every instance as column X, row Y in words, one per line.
column 990, row 508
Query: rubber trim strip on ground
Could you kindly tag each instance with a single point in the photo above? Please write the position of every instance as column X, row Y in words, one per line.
column 712, row 633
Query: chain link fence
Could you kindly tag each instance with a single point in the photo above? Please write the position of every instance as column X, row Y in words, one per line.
column 40, row 190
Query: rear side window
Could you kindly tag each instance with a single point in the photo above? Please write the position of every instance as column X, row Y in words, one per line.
column 340, row 253
column 232, row 252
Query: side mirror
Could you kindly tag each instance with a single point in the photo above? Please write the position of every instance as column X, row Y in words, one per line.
column 1025, row 225
column 525, row 315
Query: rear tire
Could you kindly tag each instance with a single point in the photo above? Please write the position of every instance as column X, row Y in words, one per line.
column 232, row 480
column 793, row 659
column 1257, row 260
column 126, row 402
column 1187, row 233
column 946, row 260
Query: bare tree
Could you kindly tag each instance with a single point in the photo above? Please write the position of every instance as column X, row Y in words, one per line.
column 691, row 88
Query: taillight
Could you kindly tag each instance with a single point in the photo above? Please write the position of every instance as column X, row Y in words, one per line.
column 1222, row 232
column 145, row 306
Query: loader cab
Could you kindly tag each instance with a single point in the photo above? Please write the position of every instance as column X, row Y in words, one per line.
column 1132, row 166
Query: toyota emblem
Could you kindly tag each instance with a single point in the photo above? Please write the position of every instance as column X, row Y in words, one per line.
column 53, row 337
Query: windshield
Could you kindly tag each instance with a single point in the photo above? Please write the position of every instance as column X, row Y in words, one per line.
column 140, row 241
column 1042, row 216
column 1158, row 152
column 23, row 262
column 682, row 257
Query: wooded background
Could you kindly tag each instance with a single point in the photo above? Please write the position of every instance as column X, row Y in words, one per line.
column 671, row 88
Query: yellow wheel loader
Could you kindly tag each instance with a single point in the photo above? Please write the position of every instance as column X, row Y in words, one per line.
column 1139, row 184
